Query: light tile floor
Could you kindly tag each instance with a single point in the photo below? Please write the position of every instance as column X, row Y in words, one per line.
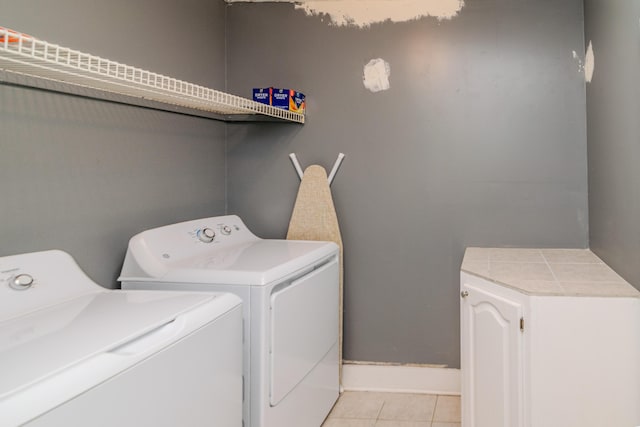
column 373, row 409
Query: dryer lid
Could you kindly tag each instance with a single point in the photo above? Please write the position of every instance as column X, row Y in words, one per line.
column 49, row 341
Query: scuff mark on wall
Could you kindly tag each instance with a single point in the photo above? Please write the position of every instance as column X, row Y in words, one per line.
column 579, row 61
column 589, row 63
column 376, row 75
column 364, row 13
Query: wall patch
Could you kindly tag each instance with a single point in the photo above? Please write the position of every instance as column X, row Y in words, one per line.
column 376, row 75
column 587, row 66
column 362, row 14
column 589, row 63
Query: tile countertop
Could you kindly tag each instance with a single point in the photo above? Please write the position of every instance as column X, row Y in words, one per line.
column 561, row 272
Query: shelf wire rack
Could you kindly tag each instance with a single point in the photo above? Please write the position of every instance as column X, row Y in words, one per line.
column 24, row 55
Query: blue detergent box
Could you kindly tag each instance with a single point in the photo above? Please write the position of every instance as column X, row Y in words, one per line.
column 262, row 95
column 288, row 99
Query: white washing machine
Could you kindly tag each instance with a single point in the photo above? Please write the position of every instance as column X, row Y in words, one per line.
column 75, row 354
column 289, row 291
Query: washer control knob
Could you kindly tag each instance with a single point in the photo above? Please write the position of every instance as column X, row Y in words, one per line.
column 226, row 230
column 21, row 282
column 206, row 235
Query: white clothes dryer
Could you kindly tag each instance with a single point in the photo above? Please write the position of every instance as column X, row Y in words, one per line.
column 73, row 353
column 290, row 297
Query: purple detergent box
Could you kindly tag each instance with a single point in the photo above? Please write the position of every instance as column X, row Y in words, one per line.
column 288, row 99
column 262, row 95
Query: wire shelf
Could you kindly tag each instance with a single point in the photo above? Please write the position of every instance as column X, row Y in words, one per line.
column 23, row 55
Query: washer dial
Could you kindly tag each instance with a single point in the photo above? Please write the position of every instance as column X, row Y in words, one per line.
column 21, row 282
column 206, row 235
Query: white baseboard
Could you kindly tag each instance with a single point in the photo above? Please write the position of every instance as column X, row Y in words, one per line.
column 401, row 379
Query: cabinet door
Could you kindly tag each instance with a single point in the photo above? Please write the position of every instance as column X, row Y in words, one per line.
column 492, row 354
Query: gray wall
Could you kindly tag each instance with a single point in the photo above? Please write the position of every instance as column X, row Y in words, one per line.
column 84, row 175
column 480, row 141
column 613, row 111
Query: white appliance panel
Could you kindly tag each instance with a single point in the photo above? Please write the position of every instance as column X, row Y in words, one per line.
column 194, row 382
column 303, row 329
column 310, row 402
column 50, row 340
column 245, row 294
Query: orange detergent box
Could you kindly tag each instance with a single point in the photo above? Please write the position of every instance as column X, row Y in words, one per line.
column 288, row 99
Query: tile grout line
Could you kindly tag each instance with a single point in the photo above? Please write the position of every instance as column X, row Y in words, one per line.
column 553, row 274
column 379, row 412
column 433, row 416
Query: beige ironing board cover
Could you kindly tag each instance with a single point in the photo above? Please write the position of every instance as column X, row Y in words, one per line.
column 314, row 218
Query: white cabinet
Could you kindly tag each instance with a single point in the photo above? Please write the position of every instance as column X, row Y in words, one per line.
column 547, row 360
column 492, row 355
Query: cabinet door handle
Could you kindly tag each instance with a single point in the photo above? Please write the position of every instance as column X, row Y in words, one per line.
column 464, row 294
